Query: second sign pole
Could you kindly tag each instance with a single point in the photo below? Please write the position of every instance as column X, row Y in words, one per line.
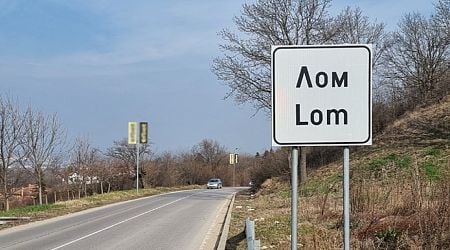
column 294, row 197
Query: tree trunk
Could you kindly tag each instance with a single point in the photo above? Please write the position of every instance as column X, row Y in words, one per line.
column 40, row 187
column 303, row 174
column 141, row 181
column 6, row 198
column 40, row 194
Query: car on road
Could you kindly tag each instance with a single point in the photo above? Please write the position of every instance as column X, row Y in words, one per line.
column 214, row 183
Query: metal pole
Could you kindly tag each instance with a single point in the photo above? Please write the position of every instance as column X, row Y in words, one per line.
column 346, row 190
column 137, row 167
column 234, row 166
column 294, row 181
column 234, row 174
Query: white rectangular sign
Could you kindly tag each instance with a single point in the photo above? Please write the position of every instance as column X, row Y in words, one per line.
column 132, row 132
column 321, row 95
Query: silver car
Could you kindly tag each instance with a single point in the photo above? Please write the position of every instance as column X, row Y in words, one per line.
column 214, row 183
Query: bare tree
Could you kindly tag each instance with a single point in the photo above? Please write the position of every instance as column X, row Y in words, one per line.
column 11, row 134
column 442, row 17
column 245, row 66
column 210, row 152
column 83, row 162
column 54, row 176
column 126, row 153
column 441, row 22
column 206, row 159
column 163, row 170
column 418, row 61
column 353, row 27
column 43, row 140
column 191, row 172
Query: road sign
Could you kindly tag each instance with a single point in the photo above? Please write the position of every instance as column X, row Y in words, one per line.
column 231, row 159
column 132, row 132
column 321, row 95
column 143, row 132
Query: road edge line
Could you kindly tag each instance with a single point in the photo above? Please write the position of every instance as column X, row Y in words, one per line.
column 223, row 237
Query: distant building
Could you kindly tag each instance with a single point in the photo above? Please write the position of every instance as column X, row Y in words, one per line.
column 76, row 178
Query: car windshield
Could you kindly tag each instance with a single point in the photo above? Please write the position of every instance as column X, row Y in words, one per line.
column 214, row 180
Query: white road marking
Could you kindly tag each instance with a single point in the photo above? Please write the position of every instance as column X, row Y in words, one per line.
column 121, row 222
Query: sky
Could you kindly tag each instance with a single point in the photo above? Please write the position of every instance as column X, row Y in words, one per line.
column 100, row 64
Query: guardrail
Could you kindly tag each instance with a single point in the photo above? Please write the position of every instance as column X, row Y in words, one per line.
column 4, row 220
column 252, row 243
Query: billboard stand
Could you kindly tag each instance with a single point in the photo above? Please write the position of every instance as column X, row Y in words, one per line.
column 137, row 167
column 133, row 131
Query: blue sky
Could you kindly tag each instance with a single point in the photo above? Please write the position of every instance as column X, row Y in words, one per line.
column 100, row 64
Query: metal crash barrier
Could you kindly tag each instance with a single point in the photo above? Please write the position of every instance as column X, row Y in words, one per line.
column 252, row 243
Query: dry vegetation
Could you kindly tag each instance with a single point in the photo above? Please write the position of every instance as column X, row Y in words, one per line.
column 400, row 194
column 426, row 125
column 399, row 199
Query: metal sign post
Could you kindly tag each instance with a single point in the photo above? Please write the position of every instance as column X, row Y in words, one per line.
column 346, row 192
column 294, row 197
column 234, row 166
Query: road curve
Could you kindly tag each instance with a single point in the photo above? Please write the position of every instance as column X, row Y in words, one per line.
column 179, row 220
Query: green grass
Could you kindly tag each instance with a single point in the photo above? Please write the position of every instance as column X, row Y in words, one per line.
column 391, row 160
column 388, row 236
column 434, row 162
column 320, row 185
column 278, row 227
column 26, row 211
column 285, row 194
column 121, row 195
column 377, row 164
column 432, row 151
column 432, row 171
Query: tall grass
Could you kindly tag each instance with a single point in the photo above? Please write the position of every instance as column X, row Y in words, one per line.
column 397, row 202
column 402, row 202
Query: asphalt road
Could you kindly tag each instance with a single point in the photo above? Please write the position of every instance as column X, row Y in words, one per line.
column 181, row 220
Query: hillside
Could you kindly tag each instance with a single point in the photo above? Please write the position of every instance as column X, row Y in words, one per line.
column 422, row 126
column 400, row 190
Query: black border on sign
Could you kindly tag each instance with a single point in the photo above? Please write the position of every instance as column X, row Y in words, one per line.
column 369, row 136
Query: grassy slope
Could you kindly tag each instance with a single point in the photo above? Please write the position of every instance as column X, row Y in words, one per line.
column 400, row 194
